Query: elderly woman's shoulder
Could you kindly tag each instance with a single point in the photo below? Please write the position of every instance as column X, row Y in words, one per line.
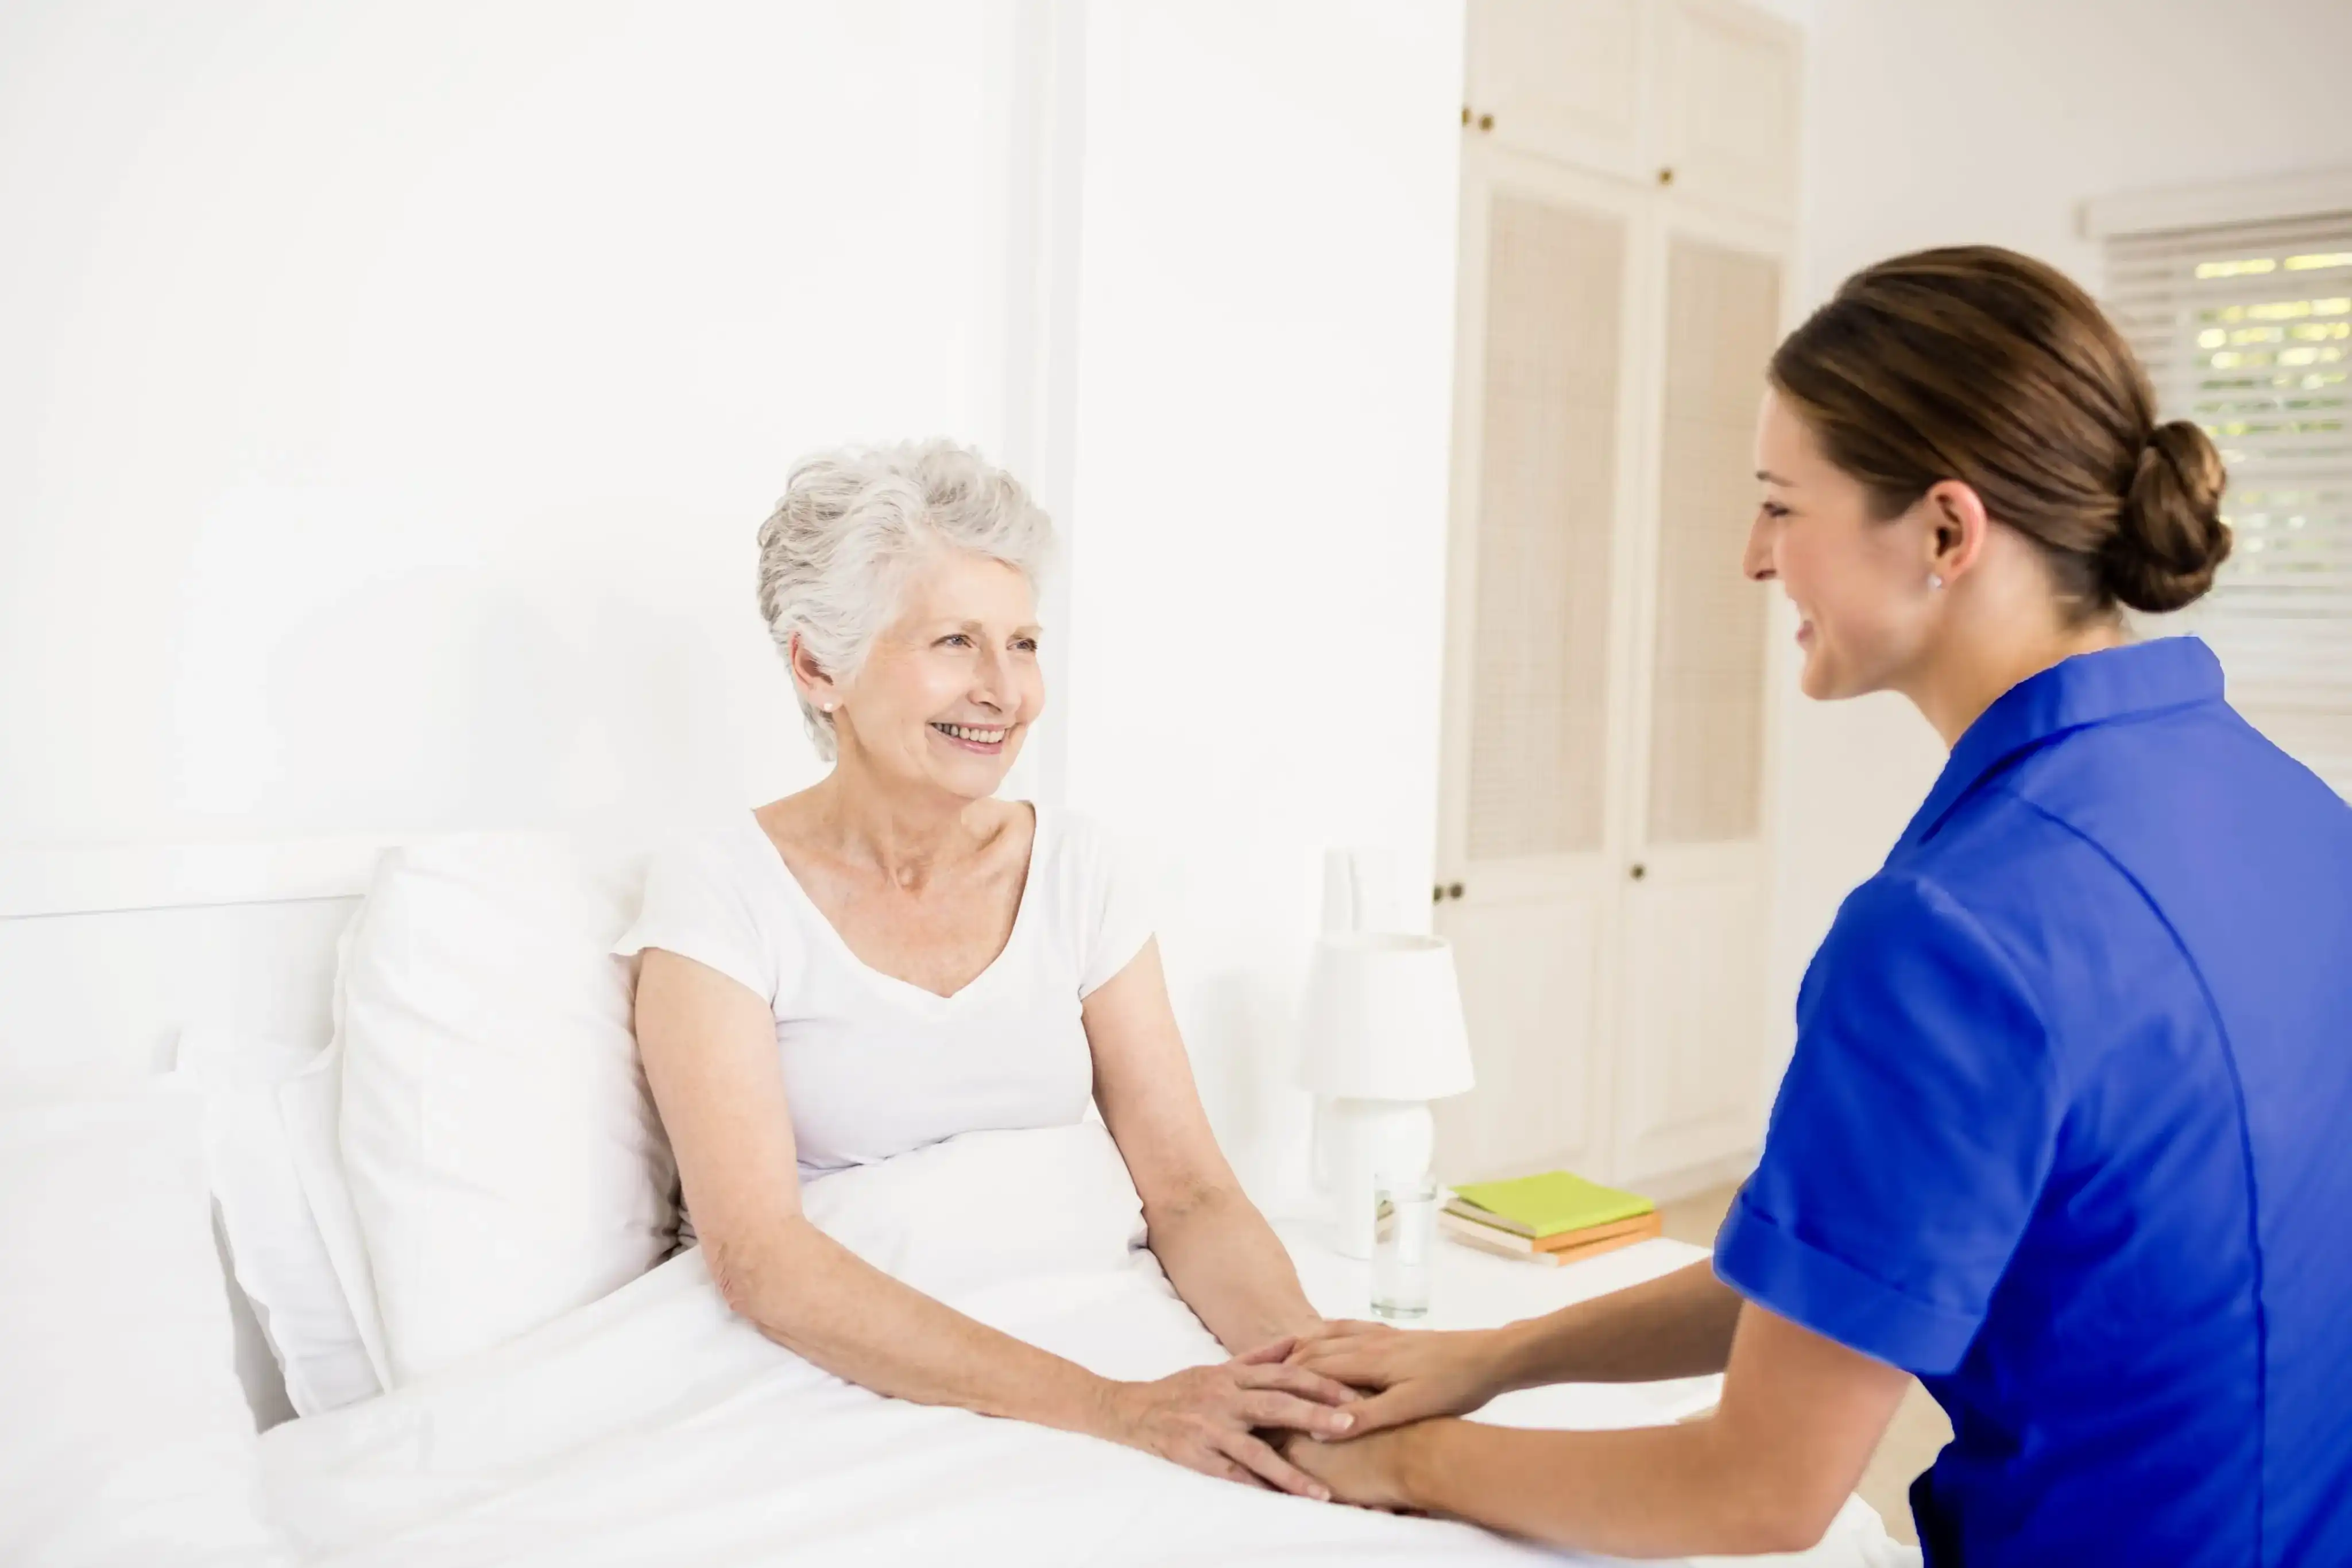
column 1093, row 847
column 722, row 846
column 1068, row 824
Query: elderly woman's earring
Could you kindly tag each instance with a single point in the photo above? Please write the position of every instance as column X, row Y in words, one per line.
column 829, row 707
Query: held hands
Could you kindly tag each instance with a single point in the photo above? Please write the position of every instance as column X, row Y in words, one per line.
column 1410, row 1376
column 1205, row 1417
column 1343, row 1381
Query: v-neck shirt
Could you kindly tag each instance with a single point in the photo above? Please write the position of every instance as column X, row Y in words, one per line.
column 875, row 1065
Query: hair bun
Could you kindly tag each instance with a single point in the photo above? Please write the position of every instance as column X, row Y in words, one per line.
column 2169, row 538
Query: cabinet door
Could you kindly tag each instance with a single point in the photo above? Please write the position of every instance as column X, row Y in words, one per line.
column 1690, row 1078
column 1532, row 973
column 1730, row 81
column 1536, row 695
column 1566, row 80
column 1690, row 1086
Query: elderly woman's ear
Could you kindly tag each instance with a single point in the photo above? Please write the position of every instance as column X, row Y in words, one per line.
column 815, row 686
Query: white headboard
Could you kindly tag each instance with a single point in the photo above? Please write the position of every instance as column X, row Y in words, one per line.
column 107, row 953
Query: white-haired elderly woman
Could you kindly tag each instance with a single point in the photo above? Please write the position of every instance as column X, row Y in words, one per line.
column 893, row 956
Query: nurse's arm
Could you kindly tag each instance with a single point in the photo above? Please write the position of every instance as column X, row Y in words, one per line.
column 1677, row 1325
column 1767, row 1471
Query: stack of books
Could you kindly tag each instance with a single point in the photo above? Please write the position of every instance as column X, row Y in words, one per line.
column 1550, row 1219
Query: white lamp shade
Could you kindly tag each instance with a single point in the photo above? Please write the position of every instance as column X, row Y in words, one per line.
column 1384, row 1018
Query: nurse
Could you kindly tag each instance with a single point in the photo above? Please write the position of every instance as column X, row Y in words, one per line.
column 2066, row 1133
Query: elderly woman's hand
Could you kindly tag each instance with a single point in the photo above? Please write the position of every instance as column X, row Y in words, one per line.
column 1408, row 1374
column 1206, row 1419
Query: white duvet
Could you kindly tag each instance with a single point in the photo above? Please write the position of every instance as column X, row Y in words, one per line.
column 653, row 1427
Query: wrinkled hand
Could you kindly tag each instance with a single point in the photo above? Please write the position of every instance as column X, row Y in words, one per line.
column 1367, row 1472
column 1205, row 1417
column 1408, row 1374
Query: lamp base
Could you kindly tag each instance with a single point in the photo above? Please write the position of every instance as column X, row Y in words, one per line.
column 1363, row 1140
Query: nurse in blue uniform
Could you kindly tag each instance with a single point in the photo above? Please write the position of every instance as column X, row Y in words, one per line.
column 2067, row 1135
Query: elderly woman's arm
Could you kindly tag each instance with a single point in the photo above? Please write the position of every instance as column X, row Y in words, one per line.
column 710, row 1050
column 1219, row 1252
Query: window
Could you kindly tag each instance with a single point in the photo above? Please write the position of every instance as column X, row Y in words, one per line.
column 2246, row 327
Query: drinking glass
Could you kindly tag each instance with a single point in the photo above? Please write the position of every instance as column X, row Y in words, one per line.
column 1404, row 1234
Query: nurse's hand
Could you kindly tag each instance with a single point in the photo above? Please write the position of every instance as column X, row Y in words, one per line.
column 1407, row 1374
column 1369, row 1472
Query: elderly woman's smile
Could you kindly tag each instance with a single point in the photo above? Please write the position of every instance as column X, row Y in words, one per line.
column 986, row 739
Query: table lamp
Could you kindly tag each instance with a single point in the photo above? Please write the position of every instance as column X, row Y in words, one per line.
column 1384, row 1037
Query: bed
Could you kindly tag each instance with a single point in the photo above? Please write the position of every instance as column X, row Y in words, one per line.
column 650, row 1426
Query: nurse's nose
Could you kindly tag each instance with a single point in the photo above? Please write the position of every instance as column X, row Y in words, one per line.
column 1755, row 561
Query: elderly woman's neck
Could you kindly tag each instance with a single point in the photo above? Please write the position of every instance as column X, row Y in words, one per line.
column 905, row 832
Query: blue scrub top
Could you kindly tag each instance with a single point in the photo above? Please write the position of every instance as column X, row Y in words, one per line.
column 2068, row 1130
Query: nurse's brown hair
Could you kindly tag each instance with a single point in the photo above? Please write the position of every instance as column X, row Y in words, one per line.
column 1979, row 364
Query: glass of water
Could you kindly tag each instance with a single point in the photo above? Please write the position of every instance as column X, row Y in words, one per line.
column 1404, row 1234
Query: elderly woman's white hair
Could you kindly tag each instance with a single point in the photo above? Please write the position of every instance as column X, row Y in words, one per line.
column 833, row 554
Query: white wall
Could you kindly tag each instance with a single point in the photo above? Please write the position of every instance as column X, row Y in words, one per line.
column 1263, row 404
column 1932, row 123
column 391, row 392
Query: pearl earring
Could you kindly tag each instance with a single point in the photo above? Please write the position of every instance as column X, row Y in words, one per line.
column 1935, row 581
column 829, row 707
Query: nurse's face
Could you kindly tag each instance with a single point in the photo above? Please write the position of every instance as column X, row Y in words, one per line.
column 1859, row 583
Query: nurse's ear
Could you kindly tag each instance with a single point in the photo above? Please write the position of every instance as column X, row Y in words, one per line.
column 1957, row 526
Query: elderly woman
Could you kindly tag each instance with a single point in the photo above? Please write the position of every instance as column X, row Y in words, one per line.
column 893, row 956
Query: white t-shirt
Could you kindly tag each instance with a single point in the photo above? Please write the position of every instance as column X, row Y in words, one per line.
column 874, row 1066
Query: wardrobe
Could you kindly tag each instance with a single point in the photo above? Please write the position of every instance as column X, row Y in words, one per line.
column 1629, row 196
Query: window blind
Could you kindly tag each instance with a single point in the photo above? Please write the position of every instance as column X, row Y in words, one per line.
column 2246, row 327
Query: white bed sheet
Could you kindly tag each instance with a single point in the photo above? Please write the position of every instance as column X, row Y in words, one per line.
column 654, row 1426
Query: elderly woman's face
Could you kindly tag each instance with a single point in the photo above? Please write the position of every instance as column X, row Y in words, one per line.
column 950, row 687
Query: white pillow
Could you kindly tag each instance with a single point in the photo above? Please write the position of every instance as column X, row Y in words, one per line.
column 293, row 1239
column 503, row 1154
column 125, row 1438
column 313, row 1103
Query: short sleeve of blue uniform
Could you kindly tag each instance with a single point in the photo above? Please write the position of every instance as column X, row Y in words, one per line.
column 1911, row 1137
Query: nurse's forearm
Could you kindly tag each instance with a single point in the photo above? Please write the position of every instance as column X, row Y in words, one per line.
column 1659, row 1491
column 1767, row 1471
column 1677, row 1325
column 1231, row 1268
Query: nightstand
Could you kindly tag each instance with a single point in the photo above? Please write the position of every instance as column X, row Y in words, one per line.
column 1475, row 1289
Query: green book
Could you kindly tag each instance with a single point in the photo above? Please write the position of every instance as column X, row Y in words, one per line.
column 1550, row 1203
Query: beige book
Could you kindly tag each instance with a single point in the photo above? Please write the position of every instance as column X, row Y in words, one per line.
column 1502, row 1243
column 1486, row 1238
